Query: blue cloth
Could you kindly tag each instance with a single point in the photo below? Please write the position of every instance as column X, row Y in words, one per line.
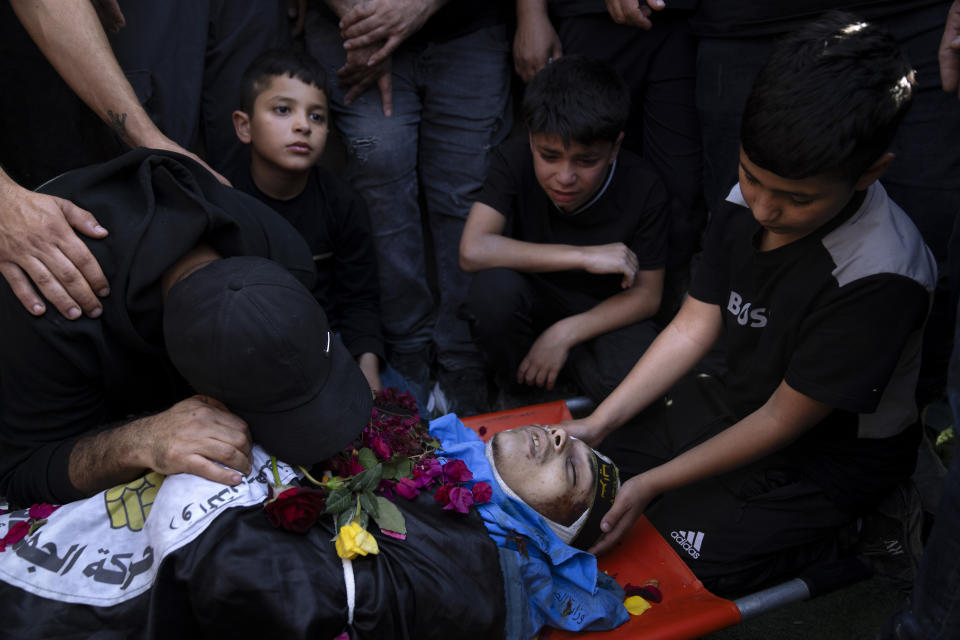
column 561, row 585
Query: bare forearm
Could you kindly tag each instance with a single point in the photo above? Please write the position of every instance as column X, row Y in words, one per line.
column 673, row 354
column 108, row 458
column 785, row 416
column 627, row 307
column 531, row 9
column 492, row 250
column 70, row 36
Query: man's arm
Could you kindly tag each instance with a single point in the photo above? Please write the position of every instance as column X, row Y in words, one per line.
column 35, row 240
column 71, row 37
column 676, row 350
column 783, row 418
column 536, row 42
column 483, row 246
column 196, row 435
column 949, row 54
column 549, row 352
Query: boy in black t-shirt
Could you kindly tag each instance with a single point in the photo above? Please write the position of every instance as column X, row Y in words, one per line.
column 819, row 285
column 568, row 237
column 284, row 119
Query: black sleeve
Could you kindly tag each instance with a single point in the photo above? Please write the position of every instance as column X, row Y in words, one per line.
column 850, row 345
column 710, row 272
column 355, row 281
column 502, row 187
column 650, row 240
column 50, row 396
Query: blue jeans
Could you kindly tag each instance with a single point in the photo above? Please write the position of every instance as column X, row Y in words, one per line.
column 451, row 104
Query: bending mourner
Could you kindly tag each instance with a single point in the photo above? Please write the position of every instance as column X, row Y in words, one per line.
column 194, row 567
column 89, row 403
column 819, row 286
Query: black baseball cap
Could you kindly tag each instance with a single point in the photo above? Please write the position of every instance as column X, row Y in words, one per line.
column 245, row 331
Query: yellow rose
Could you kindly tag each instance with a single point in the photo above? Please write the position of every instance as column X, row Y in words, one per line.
column 355, row 541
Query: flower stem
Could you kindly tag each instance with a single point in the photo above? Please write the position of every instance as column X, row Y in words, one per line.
column 276, row 472
column 310, row 477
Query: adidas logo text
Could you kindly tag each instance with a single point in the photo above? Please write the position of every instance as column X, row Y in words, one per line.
column 689, row 541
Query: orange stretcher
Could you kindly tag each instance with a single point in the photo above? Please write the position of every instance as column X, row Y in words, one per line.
column 688, row 610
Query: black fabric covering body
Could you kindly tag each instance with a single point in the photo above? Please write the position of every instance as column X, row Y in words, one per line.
column 242, row 578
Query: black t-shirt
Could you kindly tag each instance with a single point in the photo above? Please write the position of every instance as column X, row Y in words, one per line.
column 63, row 379
column 736, row 18
column 629, row 208
column 839, row 316
column 333, row 219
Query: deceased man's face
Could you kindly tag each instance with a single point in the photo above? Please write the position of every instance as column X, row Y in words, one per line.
column 552, row 472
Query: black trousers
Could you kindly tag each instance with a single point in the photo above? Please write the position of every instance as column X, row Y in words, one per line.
column 508, row 310
column 738, row 531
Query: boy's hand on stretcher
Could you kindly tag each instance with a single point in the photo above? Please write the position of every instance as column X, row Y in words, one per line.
column 630, row 503
column 612, row 258
column 197, row 436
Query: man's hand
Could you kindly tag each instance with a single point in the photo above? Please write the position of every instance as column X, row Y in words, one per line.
column 535, row 44
column 384, row 25
column 630, row 503
column 546, row 357
column 359, row 75
column 196, row 436
column 633, row 12
column 612, row 258
column 160, row 141
column 949, row 54
column 37, row 243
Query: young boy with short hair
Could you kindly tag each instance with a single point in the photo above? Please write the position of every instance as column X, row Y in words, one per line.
column 820, row 286
column 285, row 121
column 568, row 238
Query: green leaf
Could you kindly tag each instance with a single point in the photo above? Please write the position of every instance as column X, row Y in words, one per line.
column 339, row 500
column 367, row 458
column 390, row 470
column 389, row 517
column 404, row 468
column 368, row 503
column 344, row 519
column 363, row 519
column 370, row 479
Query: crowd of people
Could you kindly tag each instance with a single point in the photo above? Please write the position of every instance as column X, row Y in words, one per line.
column 731, row 224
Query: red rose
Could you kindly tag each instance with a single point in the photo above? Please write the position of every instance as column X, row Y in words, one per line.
column 42, row 510
column 16, row 533
column 295, row 509
column 443, row 494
